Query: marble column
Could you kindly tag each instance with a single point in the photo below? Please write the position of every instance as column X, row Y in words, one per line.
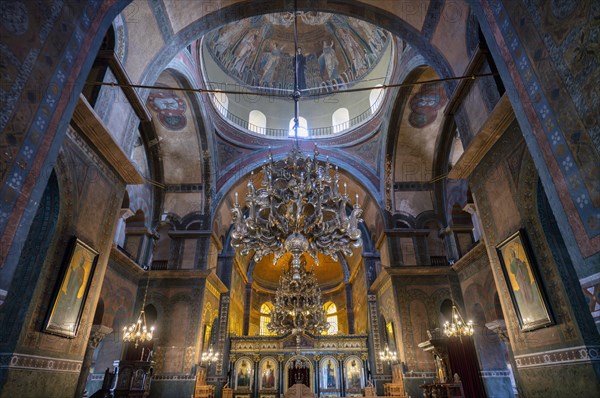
column 350, row 308
column 247, row 309
column 472, row 210
column 340, row 359
column 97, row 334
column 451, row 244
column 317, row 385
column 280, row 359
column 257, row 375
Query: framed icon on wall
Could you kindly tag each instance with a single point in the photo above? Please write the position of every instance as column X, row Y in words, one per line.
column 524, row 282
column 71, row 292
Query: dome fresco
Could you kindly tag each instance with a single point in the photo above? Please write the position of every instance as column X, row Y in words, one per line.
column 334, row 51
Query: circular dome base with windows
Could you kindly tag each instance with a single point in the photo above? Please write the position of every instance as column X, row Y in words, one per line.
column 252, row 62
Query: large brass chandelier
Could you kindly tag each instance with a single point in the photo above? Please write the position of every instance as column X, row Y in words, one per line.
column 297, row 304
column 298, row 208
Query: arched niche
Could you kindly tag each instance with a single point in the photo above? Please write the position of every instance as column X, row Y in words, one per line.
column 298, row 369
column 330, row 375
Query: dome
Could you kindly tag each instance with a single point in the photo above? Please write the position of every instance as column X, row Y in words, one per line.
column 334, row 51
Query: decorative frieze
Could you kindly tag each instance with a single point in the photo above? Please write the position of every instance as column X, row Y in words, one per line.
column 35, row 362
column 181, row 377
column 419, row 375
column 340, row 343
column 494, row 373
column 562, row 356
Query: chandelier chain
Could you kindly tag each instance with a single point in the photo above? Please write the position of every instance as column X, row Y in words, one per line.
column 138, row 332
column 456, row 326
column 298, row 208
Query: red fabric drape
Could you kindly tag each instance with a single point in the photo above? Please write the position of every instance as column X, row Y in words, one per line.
column 463, row 360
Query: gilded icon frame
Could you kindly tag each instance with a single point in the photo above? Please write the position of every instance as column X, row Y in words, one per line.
column 70, row 294
column 518, row 266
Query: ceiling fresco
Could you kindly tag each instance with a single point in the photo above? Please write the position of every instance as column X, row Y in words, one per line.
column 329, row 272
column 334, row 51
column 170, row 109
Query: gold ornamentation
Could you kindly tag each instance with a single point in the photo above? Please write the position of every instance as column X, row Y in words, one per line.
column 213, row 289
column 388, row 184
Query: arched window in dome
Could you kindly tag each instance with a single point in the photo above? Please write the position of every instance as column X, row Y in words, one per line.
column 302, row 127
column 257, row 122
column 265, row 318
column 332, row 318
column 340, row 120
column 221, row 101
column 376, row 98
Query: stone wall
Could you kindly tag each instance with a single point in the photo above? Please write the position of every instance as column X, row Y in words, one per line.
column 505, row 188
column 89, row 194
column 480, row 294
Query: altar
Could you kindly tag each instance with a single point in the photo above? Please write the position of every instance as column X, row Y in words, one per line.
column 327, row 366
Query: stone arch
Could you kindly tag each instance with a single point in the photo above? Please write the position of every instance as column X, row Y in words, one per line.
column 290, row 363
column 445, row 311
column 201, row 117
column 241, row 10
column 62, row 109
column 243, row 171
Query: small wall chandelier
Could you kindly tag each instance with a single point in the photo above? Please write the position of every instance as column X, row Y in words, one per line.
column 458, row 327
column 138, row 332
column 209, row 356
column 297, row 305
column 387, row 355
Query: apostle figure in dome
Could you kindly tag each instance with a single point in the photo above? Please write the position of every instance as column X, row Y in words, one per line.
column 246, row 52
column 328, row 62
column 301, row 65
column 271, row 63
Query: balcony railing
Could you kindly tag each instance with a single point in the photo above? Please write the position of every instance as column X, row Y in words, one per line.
column 439, row 261
column 314, row 132
column 160, row 265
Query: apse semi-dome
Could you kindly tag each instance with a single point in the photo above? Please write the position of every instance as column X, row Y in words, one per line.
column 334, row 51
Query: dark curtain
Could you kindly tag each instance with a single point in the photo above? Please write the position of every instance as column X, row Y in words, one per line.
column 463, row 360
column 135, row 354
column 299, row 376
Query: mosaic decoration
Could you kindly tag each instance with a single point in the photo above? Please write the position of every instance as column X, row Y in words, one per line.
column 425, row 104
column 562, row 134
column 333, row 50
column 20, row 140
column 369, row 151
column 170, row 109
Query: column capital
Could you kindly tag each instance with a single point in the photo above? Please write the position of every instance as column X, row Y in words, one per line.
column 97, row 334
column 499, row 327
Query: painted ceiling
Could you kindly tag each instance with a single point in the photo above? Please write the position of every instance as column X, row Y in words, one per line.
column 329, row 272
column 335, row 51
